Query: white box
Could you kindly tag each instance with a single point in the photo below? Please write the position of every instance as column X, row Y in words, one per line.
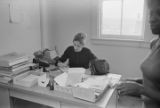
column 27, row 79
column 93, row 88
column 84, row 93
column 65, row 89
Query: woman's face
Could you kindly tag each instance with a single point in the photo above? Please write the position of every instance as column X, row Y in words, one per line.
column 77, row 46
column 154, row 9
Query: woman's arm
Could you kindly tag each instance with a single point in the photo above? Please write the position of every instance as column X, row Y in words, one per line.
column 63, row 58
column 138, row 80
column 151, row 93
column 91, row 55
column 65, row 55
column 135, row 89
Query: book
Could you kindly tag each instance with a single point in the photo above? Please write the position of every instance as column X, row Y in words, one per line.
column 11, row 68
column 16, row 70
column 10, row 74
column 12, row 58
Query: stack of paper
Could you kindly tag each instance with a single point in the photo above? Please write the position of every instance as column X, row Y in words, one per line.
column 98, row 83
column 93, row 88
column 65, row 81
column 70, row 78
column 13, row 63
column 12, row 59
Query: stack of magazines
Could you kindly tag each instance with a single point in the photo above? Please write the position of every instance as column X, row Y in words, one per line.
column 13, row 63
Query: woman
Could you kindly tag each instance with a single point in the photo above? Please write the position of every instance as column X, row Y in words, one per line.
column 77, row 54
column 150, row 87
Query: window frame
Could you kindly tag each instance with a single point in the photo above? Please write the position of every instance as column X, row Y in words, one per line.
column 97, row 39
column 121, row 37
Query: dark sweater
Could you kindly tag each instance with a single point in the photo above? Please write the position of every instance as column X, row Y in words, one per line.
column 77, row 59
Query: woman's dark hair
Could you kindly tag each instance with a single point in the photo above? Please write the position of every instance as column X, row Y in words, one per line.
column 80, row 37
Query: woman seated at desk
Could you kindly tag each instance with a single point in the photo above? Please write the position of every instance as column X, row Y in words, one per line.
column 77, row 54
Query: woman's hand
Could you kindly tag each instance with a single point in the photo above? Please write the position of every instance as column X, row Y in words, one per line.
column 60, row 64
column 129, row 88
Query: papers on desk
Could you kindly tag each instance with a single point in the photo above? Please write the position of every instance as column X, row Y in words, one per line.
column 97, row 83
column 72, row 77
column 65, row 81
column 91, row 89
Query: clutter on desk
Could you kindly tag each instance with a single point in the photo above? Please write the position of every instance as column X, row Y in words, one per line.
column 71, row 77
column 45, row 57
column 53, row 70
column 68, row 79
column 90, row 89
column 93, row 88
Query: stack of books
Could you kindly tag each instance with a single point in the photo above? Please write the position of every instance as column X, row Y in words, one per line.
column 13, row 63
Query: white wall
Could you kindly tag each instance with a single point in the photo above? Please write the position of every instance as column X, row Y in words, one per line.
column 19, row 26
column 66, row 17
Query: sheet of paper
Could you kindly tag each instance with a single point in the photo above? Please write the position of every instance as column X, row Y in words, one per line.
column 61, row 79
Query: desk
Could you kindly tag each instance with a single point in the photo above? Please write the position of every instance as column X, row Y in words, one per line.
column 4, row 94
column 54, row 98
column 51, row 98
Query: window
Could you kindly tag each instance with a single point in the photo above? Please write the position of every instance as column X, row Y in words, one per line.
column 123, row 19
